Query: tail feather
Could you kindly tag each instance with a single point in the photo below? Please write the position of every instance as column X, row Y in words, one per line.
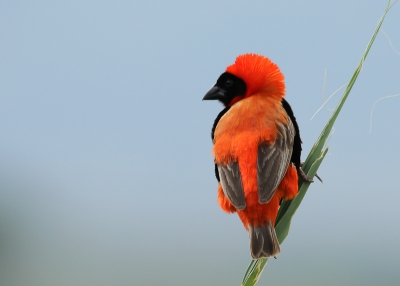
column 263, row 241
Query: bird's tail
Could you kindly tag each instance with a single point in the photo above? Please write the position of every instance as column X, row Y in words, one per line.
column 263, row 241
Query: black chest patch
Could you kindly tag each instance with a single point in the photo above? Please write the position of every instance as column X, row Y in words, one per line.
column 296, row 154
column 225, row 110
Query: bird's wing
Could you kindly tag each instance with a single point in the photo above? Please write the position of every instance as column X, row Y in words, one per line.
column 273, row 161
column 231, row 182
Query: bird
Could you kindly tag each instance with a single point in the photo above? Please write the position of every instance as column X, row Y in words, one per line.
column 256, row 148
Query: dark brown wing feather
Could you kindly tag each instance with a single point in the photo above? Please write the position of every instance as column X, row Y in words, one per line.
column 273, row 161
column 231, row 182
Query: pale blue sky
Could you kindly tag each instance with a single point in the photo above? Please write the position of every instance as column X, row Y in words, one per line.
column 106, row 174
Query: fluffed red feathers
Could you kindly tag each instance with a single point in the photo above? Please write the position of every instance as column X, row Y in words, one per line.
column 255, row 118
column 259, row 74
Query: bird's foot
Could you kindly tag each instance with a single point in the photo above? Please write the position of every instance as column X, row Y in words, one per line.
column 307, row 178
column 304, row 176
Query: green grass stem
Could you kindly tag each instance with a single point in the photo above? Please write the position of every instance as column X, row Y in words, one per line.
column 310, row 167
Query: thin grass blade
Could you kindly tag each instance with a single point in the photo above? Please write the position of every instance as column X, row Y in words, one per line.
column 310, row 167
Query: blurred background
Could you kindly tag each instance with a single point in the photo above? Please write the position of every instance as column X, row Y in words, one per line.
column 106, row 173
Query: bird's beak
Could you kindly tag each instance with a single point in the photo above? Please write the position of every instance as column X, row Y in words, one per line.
column 215, row 93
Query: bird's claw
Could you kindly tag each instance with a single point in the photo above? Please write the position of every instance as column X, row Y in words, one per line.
column 319, row 178
column 304, row 176
column 307, row 178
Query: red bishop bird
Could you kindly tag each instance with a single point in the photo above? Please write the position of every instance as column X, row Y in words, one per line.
column 257, row 148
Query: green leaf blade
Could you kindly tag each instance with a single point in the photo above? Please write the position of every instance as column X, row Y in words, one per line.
column 310, row 167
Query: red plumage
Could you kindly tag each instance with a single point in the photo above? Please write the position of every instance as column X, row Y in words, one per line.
column 254, row 139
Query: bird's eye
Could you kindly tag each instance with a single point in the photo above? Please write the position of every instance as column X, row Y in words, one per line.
column 228, row 82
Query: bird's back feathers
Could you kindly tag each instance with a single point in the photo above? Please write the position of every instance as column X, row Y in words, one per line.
column 254, row 138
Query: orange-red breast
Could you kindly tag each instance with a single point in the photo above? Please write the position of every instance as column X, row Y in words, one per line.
column 257, row 147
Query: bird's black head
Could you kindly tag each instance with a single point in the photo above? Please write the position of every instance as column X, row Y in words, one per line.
column 226, row 89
